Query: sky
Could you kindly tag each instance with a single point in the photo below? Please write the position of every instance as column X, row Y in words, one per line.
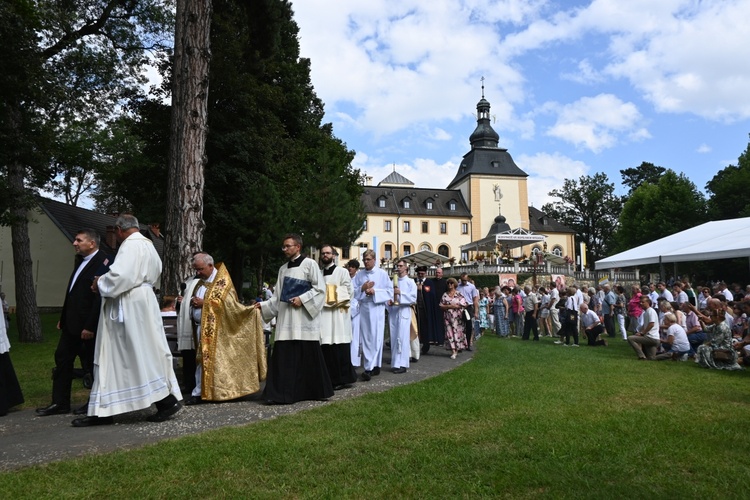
column 576, row 87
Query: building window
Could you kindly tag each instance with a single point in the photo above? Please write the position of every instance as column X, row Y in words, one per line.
column 381, row 202
column 444, row 250
column 557, row 250
column 429, row 204
column 364, row 225
column 387, row 226
column 464, row 228
column 407, row 226
column 407, row 250
column 345, row 253
column 443, row 228
column 452, row 206
column 425, row 246
column 407, row 203
column 535, row 249
column 388, row 251
column 465, row 256
column 425, row 227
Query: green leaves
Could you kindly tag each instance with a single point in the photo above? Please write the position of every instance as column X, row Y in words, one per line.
column 590, row 207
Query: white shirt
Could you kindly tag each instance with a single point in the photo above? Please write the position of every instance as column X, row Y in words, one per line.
column 589, row 319
column 80, row 268
column 650, row 316
column 680, row 343
column 667, row 295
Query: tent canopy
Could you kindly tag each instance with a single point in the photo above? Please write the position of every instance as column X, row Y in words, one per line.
column 724, row 239
column 512, row 238
column 425, row 258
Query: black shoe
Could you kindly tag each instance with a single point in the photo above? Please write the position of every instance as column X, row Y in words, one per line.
column 91, row 421
column 193, row 400
column 53, row 409
column 376, row 370
column 162, row 415
column 413, row 360
column 366, row 375
column 399, row 370
column 468, row 348
column 82, row 410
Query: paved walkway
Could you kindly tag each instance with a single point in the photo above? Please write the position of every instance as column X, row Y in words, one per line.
column 26, row 439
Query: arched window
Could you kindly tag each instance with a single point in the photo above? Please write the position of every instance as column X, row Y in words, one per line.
column 425, row 246
column 444, row 250
column 535, row 249
column 557, row 250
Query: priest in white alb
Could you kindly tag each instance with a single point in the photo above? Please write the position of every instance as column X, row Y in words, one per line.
column 132, row 360
column 373, row 289
column 400, row 313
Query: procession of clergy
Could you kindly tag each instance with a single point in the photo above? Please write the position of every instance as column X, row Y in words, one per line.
column 330, row 321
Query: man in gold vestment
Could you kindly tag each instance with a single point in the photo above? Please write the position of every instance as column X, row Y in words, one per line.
column 227, row 336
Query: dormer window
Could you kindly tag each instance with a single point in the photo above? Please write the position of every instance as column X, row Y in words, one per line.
column 452, row 206
column 428, row 204
column 381, row 202
column 406, row 202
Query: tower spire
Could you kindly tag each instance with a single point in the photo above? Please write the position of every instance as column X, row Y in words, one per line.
column 482, row 79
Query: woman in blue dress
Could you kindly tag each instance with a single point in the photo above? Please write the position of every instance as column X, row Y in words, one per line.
column 501, row 311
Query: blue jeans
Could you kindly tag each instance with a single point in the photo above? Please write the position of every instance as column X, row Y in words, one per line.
column 695, row 340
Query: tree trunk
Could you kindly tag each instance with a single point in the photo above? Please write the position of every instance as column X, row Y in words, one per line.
column 27, row 314
column 187, row 145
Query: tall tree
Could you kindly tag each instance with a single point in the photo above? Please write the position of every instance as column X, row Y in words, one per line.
column 271, row 164
column 187, row 145
column 657, row 210
column 68, row 61
column 590, row 207
column 645, row 173
column 728, row 190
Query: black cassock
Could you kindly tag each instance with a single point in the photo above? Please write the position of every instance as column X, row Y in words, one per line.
column 430, row 316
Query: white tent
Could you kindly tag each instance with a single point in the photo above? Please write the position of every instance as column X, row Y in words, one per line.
column 723, row 239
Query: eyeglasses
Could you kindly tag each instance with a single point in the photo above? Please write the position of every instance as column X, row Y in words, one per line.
column 284, row 247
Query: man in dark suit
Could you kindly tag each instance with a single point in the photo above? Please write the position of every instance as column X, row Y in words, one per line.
column 78, row 322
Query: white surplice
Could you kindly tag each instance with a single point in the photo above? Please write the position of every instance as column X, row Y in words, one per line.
column 132, row 360
column 335, row 322
column 297, row 323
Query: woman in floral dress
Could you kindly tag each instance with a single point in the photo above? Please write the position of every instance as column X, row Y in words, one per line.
column 453, row 305
column 719, row 339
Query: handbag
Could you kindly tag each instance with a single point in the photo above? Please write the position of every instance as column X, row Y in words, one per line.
column 722, row 355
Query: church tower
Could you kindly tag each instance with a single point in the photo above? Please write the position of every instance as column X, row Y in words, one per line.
column 490, row 181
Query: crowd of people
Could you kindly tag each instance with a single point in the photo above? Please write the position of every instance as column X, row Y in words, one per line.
column 331, row 324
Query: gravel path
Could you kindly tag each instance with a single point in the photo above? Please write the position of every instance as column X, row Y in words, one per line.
column 28, row 439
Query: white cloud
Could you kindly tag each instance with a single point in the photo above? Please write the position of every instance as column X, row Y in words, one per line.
column 595, row 122
column 548, row 172
column 703, row 148
column 439, row 134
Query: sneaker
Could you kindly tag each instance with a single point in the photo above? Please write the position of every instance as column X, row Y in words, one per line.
column 684, row 357
column 566, row 345
column 576, row 345
column 558, row 342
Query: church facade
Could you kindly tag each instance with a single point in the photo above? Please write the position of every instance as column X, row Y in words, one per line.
column 488, row 191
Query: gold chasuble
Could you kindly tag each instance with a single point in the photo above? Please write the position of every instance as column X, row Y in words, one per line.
column 232, row 346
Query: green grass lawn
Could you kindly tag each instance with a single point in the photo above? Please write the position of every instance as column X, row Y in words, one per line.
column 521, row 420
